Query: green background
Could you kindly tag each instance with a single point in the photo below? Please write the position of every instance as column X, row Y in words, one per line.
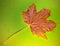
column 11, row 20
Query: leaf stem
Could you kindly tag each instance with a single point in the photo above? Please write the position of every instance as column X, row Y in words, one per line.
column 15, row 33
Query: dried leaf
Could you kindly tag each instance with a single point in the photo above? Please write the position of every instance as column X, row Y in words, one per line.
column 38, row 21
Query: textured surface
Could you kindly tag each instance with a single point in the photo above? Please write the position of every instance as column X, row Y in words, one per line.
column 38, row 21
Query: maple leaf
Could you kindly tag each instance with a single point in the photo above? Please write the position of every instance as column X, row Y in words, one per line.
column 38, row 21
